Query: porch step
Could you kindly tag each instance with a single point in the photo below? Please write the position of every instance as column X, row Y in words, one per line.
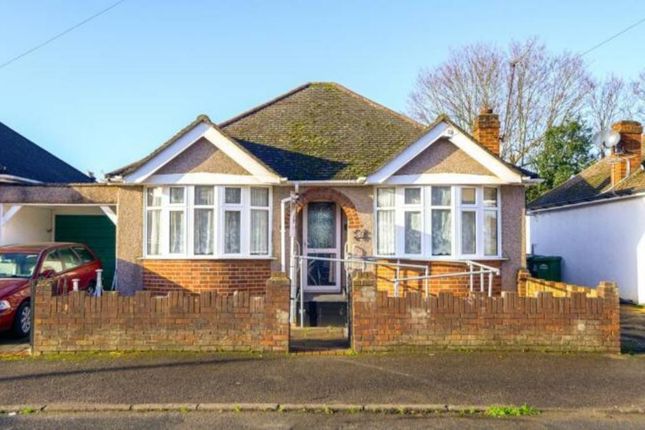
column 325, row 313
column 319, row 340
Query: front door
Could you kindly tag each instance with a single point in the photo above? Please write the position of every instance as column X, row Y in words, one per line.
column 321, row 233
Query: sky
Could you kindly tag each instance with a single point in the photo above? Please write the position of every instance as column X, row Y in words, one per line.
column 109, row 92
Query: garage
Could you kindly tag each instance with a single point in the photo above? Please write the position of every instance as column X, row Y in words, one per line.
column 86, row 224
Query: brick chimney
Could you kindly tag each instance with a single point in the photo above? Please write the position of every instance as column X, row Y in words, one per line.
column 628, row 153
column 486, row 129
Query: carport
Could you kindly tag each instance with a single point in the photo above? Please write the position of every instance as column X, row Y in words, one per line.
column 91, row 224
column 84, row 213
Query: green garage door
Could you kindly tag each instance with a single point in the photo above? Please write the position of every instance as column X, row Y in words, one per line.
column 95, row 231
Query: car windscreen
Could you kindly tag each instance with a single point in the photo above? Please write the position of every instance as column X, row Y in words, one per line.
column 17, row 264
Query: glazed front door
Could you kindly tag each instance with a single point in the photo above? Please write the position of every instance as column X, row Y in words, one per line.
column 321, row 233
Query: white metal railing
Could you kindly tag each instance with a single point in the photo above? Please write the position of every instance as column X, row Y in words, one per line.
column 474, row 269
column 300, row 272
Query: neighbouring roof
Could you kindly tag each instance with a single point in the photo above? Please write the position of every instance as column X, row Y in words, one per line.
column 21, row 157
column 318, row 131
column 592, row 184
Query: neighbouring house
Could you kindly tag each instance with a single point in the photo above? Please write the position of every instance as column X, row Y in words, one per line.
column 320, row 173
column 22, row 162
column 596, row 220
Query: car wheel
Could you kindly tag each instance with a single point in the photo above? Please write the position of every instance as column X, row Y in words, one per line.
column 22, row 320
column 91, row 288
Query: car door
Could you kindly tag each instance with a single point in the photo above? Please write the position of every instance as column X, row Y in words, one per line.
column 73, row 269
column 52, row 263
column 89, row 264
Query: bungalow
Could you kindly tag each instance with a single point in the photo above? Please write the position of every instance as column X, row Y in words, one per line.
column 315, row 179
column 596, row 220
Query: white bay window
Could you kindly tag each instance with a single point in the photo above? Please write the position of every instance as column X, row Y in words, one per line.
column 207, row 221
column 438, row 222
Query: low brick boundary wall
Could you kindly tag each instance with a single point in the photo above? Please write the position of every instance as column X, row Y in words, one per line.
column 178, row 321
column 545, row 323
column 531, row 287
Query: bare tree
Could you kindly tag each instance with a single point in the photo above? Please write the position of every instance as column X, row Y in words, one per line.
column 531, row 89
column 638, row 87
column 611, row 100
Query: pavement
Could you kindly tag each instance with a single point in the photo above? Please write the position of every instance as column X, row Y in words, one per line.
column 455, row 378
column 277, row 420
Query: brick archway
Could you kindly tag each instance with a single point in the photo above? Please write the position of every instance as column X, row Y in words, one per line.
column 330, row 194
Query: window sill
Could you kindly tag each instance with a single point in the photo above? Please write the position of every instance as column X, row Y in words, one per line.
column 206, row 257
column 435, row 258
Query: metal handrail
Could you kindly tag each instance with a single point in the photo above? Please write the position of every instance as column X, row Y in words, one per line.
column 483, row 270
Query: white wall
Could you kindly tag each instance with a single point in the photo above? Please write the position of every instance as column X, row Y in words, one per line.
column 29, row 224
column 598, row 242
column 33, row 224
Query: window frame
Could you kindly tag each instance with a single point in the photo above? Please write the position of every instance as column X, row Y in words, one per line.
column 219, row 208
column 455, row 208
column 378, row 208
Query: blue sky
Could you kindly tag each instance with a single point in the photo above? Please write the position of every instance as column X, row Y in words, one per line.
column 111, row 91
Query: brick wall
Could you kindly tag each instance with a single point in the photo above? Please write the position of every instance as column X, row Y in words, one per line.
column 458, row 285
column 509, row 322
column 531, row 287
column 179, row 321
column 222, row 276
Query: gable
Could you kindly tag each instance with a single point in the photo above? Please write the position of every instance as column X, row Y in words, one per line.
column 497, row 171
column 202, row 157
column 443, row 157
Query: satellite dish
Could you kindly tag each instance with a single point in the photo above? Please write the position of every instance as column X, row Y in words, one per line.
column 606, row 139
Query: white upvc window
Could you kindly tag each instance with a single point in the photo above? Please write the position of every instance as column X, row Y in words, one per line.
column 385, row 221
column 412, row 202
column 205, row 221
column 438, row 222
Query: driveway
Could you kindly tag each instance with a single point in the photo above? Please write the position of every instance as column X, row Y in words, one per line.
column 632, row 329
column 10, row 346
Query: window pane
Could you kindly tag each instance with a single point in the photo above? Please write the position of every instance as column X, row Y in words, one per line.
column 468, row 235
column 176, row 232
column 260, row 197
column 385, row 232
column 490, row 197
column 468, row 196
column 232, row 232
column 321, row 225
column 321, row 272
column 490, row 232
column 204, row 196
column 154, row 196
column 84, row 254
column 176, row 195
column 154, row 232
column 259, row 232
column 233, row 195
column 441, row 232
column 413, row 232
column 412, row 196
column 440, row 196
column 203, row 231
column 52, row 262
column 69, row 259
column 385, row 197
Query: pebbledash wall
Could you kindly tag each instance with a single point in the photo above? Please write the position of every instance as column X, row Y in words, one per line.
column 576, row 323
column 178, row 321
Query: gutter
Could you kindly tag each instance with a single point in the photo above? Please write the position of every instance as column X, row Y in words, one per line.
column 585, row 203
column 11, row 179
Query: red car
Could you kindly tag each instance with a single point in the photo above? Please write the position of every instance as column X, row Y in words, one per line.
column 21, row 264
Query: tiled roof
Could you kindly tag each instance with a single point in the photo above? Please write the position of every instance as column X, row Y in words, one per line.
column 323, row 131
column 593, row 183
column 318, row 131
column 23, row 158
